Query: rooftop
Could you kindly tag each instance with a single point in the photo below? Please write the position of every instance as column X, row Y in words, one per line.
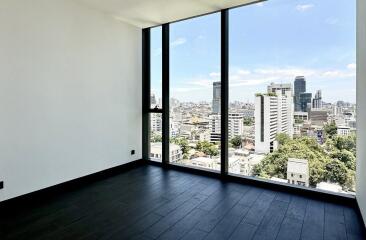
column 300, row 166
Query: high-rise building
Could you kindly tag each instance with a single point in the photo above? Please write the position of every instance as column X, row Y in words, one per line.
column 300, row 87
column 317, row 101
column 216, row 101
column 274, row 114
column 283, row 87
column 305, row 102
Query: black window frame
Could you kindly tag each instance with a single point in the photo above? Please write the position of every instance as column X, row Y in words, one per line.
column 146, row 110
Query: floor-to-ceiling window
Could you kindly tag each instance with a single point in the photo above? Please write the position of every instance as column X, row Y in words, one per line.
column 195, row 92
column 155, row 116
column 292, row 96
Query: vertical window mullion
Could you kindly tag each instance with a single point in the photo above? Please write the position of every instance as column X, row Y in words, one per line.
column 146, row 90
column 165, row 93
column 224, row 90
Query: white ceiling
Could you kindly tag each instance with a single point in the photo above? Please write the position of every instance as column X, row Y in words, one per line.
column 148, row 13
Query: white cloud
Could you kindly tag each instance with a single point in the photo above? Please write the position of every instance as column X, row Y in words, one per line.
column 178, row 41
column 338, row 74
column 260, row 77
column 243, row 72
column 286, row 72
column 202, row 82
column 252, row 82
column 304, row 7
column 331, row 21
column 215, row 75
column 351, row 66
column 184, row 89
column 260, row 4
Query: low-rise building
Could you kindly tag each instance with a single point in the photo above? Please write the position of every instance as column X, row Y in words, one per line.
column 343, row 130
column 156, row 152
column 318, row 117
column 298, row 171
column 301, row 116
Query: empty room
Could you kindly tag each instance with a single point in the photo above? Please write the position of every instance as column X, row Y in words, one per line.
column 172, row 119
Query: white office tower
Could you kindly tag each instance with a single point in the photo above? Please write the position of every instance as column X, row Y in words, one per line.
column 274, row 114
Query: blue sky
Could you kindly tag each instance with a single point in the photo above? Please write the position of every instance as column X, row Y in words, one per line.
column 269, row 42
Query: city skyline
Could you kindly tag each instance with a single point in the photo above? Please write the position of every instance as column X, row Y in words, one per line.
column 316, row 97
column 319, row 53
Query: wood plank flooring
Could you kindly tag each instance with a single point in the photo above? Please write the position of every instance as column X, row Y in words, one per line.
column 149, row 202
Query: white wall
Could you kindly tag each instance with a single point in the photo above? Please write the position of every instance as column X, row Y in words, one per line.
column 70, row 93
column 361, row 106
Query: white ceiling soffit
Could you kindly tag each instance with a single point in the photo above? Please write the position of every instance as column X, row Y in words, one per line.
column 148, row 13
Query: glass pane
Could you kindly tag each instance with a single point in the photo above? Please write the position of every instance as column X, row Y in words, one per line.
column 156, row 67
column 292, row 95
column 195, row 92
column 156, row 137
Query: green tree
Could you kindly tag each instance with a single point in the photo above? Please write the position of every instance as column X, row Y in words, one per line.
column 336, row 171
column 156, row 138
column 236, row 141
column 248, row 121
column 212, row 151
column 346, row 143
column 330, row 130
column 183, row 143
column 207, row 148
column 282, row 138
column 275, row 164
column 345, row 156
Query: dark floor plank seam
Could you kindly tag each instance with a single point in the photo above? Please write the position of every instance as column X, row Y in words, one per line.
column 263, row 216
column 243, row 217
column 284, row 217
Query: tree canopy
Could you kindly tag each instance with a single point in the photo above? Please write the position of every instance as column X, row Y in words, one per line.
column 248, row 121
column 155, row 138
column 330, row 130
column 207, row 148
column 236, row 141
column 337, row 165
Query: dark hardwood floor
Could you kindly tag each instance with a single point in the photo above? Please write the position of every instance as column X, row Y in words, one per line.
column 151, row 203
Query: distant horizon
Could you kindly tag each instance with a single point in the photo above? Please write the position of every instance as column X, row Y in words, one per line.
column 248, row 102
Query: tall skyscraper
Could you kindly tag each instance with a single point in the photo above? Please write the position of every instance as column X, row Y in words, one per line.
column 305, row 102
column 216, row 101
column 300, row 87
column 317, row 101
column 273, row 115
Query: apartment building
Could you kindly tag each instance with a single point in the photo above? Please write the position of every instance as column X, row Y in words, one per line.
column 274, row 114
